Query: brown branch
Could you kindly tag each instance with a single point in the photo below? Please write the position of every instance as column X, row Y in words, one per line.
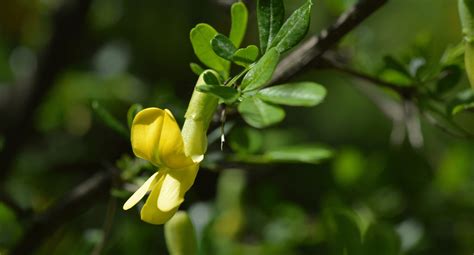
column 404, row 91
column 311, row 51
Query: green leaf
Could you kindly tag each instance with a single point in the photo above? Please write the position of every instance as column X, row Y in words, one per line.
column 294, row 94
column 210, row 78
column 201, row 37
column 262, row 72
column 227, row 94
column 270, row 15
column 394, row 64
column 180, row 235
column 463, row 101
column 108, row 119
column 259, row 114
column 197, row 69
column 343, row 232
column 451, row 78
column 309, row 154
column 453, row 55
column 10, row 226
column 380, row 237
column 348, row 167
column 239, row 15
column 294, row 29
column 245, row 140
column 245, row 57
column 395, row 77
column 132, row 111
column 223, row 46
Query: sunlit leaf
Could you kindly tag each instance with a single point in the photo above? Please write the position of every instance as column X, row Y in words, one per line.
column 239, row 15
column 294, row 29
column 309, row 154
column 259, row 114
column 348, row 167
column 270, row 15
column 294, row 94
column 197, row 69
column 246, row 56
column 463, row 101
column 262, row 72
column 201, row 37
column 223, row 46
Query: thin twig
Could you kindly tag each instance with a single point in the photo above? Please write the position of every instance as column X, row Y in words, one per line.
column 311, row 51
column 444, row 129
column 71, row 205
column 108, row 224
column 401, row 90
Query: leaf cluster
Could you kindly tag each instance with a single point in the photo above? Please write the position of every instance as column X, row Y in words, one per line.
column 259, row 106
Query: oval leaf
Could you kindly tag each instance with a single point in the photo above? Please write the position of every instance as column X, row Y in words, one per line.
column 197, row 69
column 294, row 29
column 294, row 94
column 223, row 46
column 239, row 15
column 262, row 72
column 309, row 154
column 210, row 78
column 245, row 57
column 259, row 114
column 270, row 15
column 201, row 37
column 227, row 94
column 463, row 101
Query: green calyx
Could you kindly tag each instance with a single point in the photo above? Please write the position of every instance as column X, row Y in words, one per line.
column 198, row 116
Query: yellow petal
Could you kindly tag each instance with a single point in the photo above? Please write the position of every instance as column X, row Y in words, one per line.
column 146, row 134
column 171, row 147
column 150, row 212
column 175, row 184
column 141, row 192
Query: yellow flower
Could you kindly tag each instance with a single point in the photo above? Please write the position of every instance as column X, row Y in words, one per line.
column 156, row 137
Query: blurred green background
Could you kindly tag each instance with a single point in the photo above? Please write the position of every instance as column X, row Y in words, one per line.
column 420, row 201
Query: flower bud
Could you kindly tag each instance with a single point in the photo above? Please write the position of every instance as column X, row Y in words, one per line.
column 180, row 235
